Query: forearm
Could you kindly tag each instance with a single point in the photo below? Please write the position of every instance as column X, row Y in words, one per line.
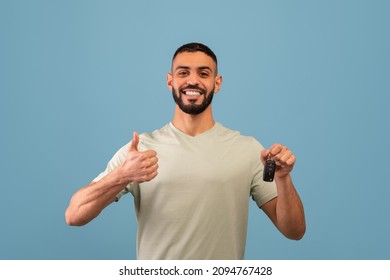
column 289, row 209
column 89, row 201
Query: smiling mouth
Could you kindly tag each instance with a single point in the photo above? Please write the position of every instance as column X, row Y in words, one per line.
column 192, row 93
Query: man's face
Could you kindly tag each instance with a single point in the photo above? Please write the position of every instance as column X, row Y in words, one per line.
column 193, row 81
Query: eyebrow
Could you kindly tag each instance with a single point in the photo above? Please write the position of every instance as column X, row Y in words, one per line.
column 198, row 68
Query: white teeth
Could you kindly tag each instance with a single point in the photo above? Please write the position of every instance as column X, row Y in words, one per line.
column 193, row 93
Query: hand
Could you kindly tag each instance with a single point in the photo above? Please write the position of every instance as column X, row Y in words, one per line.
column 283, row 158
column 139, row 166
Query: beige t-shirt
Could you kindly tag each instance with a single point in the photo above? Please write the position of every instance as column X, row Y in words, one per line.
column 197, row 205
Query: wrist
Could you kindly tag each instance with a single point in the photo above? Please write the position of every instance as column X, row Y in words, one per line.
column 284, row 179
column 117, row 177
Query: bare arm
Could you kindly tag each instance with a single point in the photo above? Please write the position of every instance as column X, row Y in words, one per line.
column 286, row 210
column 87, row 203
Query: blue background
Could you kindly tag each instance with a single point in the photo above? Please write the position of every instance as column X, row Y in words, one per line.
column 78, row 77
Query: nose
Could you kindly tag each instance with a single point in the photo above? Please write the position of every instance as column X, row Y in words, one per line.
column 192, row 80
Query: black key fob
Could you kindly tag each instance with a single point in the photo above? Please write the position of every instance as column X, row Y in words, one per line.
column 269, row 170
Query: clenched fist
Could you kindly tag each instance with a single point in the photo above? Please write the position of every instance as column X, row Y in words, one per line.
column 283, row 158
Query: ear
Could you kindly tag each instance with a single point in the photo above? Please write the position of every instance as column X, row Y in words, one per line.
column 169, row 81
column 217, row 83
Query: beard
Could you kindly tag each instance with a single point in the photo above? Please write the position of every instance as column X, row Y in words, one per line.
column 193, row 109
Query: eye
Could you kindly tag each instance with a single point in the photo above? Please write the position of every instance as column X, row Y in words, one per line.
column 182, row 73
column 204, row 74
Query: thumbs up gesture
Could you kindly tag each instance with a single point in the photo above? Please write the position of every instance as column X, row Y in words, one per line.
column 138, row 166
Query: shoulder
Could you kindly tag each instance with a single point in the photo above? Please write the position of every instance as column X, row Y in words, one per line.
column 158, row 134
column 249, row 142
column 162, row 136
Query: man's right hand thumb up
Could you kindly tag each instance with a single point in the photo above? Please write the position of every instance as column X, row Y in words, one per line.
column 134, row 142
column 139, row 166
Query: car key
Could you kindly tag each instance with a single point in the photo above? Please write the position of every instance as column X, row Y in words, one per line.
column 269, row 170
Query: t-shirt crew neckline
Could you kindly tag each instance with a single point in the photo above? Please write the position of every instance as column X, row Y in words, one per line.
column 203, row 134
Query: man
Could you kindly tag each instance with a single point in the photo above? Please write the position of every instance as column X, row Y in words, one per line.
column 192, row 179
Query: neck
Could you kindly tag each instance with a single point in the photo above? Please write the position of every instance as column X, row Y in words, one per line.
column 193, row 125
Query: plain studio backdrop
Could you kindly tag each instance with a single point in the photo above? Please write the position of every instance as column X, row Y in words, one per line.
column 78, row 77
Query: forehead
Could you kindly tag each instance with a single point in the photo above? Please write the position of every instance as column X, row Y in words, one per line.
column 193, row 60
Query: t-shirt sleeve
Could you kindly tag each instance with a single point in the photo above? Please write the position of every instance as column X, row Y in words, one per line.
column 115, row 161
column 261, row 191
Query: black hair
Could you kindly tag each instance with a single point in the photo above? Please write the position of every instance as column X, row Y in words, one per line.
column 196, row 47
